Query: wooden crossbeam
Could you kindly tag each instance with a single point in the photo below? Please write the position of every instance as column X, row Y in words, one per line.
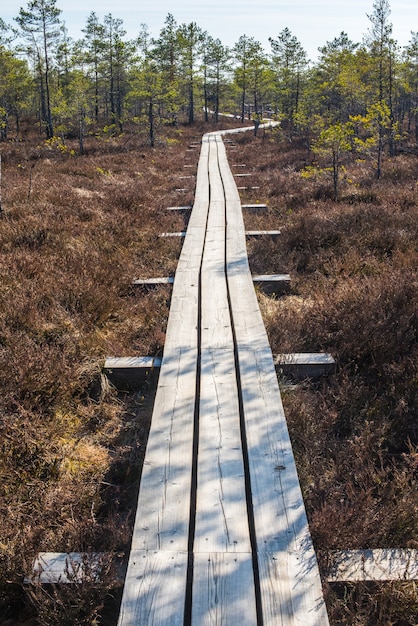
column 268, row 283
column 134, row 370
column 153, row 282
column 300, row 365
column 258, row 234
column 278, row 284
column 178, row 234
column 53, row 568
column 372, row 565
column 255, row 234
column 254, row 207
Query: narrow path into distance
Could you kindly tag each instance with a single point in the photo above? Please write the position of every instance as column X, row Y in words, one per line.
column 221, row 535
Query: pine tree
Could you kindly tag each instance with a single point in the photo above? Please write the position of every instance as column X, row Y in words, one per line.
column 40, row 24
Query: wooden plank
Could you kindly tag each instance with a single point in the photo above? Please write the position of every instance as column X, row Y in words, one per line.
column 299, row 365
column 155, row 589
column 162, row 521
column 66, row 568
column 263, row 233
column 153, row 282
column 223, row 589
column 373, row 565
column 186, row 207
column 270, row 284
column 255, row 207
column 221, row 512
column 130, row 371
column 179, row 234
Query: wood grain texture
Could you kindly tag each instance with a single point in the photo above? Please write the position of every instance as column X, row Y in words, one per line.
column 155, row 589
column 221, row 512
column 373, row 565
column 223, row 590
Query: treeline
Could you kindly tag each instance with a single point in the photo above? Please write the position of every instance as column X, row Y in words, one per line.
column 354, row 94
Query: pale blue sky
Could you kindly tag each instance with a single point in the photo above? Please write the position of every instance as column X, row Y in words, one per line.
column 313, row 22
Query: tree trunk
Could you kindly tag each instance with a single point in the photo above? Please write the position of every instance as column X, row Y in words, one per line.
column 151, row 123
column 49, row 125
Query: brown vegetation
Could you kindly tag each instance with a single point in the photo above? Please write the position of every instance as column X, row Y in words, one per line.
column 74, row 233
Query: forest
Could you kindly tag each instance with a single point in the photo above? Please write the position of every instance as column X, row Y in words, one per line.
column 94, row 136
column 364, row 92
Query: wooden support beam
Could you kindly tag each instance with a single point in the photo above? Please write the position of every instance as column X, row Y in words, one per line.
column 149, row 283
column 256, row 234
column 247, row 188
column 304, row 365
column 372, row 565
column 270, row 284
column 254, row 207
column 131, row 371
column 53, row 568
column 377, row 565
column 180, row 234
column 134, row 370
column 186, row 207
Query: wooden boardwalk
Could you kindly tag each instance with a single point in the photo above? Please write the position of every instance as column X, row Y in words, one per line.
column 221, row 535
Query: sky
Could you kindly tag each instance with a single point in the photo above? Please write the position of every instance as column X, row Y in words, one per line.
column 313, row 22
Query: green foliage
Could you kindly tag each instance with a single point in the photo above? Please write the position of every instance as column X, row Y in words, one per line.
column 330, row 146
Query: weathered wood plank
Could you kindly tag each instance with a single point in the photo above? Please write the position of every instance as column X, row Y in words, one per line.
column 130, row 371
column 299, row 365
column 373, row 565
column 221, row 511
column 155, row 589
column 254, row 207
column 66, row 568
column 263, row 233
column 223, row 589
column 223, row 579
column 153, row 282
column 178, row 234
column 162, row 520
column 270, row 284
